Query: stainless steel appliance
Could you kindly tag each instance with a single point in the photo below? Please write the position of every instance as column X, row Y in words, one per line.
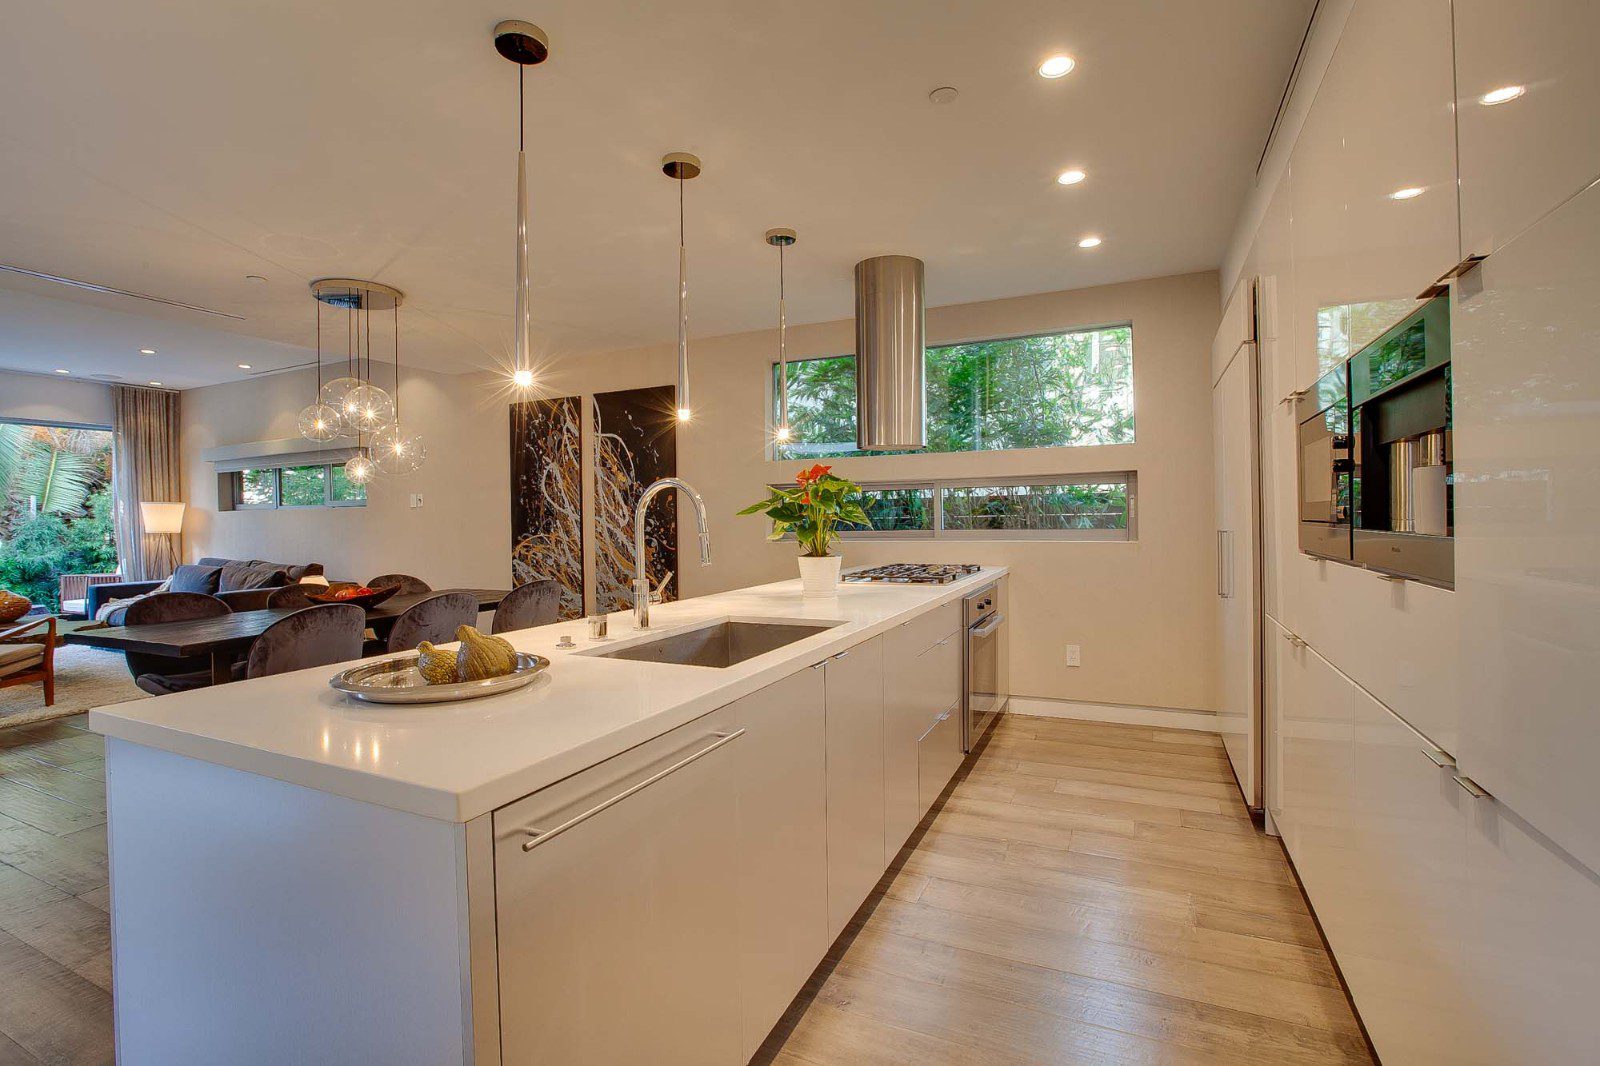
column 913, row 573
column 891, row 413
column 1323, row 412
column 1402, row 464
column 983, row 653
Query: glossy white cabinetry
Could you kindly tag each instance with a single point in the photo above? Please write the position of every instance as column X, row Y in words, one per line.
column 1527, row 411
column 1522, row 158
column 922, row 680
column 1233, row 422
column 938, row 756
column 854, row 684
column 783, row 847
column 618, row 938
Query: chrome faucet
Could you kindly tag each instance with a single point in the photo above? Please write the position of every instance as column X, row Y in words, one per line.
column 642, row 593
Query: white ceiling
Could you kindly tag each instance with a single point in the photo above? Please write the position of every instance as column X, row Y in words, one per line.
column 175, row 148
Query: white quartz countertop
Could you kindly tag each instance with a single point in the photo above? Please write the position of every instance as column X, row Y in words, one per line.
column 456, row 761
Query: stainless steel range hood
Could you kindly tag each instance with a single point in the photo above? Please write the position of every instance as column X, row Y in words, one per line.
column 889, row 352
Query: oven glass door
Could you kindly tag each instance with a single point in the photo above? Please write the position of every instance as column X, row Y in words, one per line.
column 1325, row 467
column 983, row 697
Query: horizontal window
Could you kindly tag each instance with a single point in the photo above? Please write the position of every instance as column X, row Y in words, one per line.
column 1068, row 507
column 264, row 488
column 1052, row 390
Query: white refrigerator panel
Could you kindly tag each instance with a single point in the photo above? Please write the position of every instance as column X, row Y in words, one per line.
column 1527, row 424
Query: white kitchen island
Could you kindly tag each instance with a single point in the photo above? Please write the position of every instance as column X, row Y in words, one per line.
column 626, row 861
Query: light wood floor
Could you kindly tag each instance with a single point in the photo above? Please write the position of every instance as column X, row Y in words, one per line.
column 1086, row 894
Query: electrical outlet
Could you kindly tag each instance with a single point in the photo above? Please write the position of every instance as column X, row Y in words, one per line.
column 1074, row 655
column 416, row 499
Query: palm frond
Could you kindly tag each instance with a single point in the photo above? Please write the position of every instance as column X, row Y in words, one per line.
column 59, row 480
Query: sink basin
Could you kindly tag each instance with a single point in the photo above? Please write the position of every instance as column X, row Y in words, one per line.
column 721, row 644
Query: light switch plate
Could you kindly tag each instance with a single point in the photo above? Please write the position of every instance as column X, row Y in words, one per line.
column 416, row 499
column 1074, row 655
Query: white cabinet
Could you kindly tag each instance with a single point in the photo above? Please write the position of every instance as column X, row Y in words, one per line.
column 783, row 847
column 855, row 853
column 922, row 680
column 938, row 757
column 616, row 895
column 1527, row 414
column 1523, row 156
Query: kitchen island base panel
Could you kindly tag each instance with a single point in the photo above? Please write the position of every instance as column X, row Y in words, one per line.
column 296, row 912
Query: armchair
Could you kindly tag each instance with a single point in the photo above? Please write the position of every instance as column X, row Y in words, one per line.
column 27, row 656
column 75, row 592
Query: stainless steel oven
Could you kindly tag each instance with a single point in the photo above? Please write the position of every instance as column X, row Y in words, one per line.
column 982, row 659
column 1323, row 412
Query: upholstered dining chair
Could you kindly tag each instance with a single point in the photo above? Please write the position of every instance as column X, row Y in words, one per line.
column 320, row 635
column 536, row 603
column 408, row 585
column 163, row 674
column 28, row 653
column 434, row 619
column 295, row 596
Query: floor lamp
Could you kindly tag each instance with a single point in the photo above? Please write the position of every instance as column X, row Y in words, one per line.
column 164, row 520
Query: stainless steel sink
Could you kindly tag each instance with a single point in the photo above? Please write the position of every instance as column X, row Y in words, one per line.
column 721, row 644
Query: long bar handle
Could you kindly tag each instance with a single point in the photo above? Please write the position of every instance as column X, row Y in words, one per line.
column 1472, row 788
column 543, row 837
column 1439, row 759
column 1225, row 563
column 984, row 630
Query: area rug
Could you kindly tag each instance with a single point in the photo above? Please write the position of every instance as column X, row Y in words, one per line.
column 85, row 678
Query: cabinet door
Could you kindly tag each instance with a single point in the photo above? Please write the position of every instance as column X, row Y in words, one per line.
column 1527, row 482
column 855, row 856
column 938, row 757
column 1233, row 407
column 618, row 940
column 783, row 847
column 1522, row 156
column 922, row 677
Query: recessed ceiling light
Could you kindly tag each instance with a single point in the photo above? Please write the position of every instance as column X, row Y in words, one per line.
column 944, row 94
column 1410, row 192
column 1070, row 177
column 1503, row 95
column 1089, row 242
column 147, row 351
column 1057, row 66
column 60, row 371
column 244, row 366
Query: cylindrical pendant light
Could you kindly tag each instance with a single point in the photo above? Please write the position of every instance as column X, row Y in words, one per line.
column 525, row 45
column 681, row 166
column 780, row 239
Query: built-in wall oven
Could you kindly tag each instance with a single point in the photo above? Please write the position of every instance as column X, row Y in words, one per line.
column 1323, row 412
column 984, row 654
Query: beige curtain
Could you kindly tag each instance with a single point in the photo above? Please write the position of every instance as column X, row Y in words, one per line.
column 146, row 465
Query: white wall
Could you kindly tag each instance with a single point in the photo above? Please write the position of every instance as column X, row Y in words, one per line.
column 1141, row 611
column 53, row 398
column 459, row 537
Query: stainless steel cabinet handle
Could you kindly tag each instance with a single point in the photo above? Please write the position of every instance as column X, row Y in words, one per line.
column 1293, row 397
column 1294, row 641
column 984, row 630
column 1225, row 563
column 541, row 836
column 1393, row 578
column 841, row 655
column 1472, row 788
column 1439, row 759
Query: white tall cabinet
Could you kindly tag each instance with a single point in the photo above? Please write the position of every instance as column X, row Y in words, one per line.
column 1429, row 753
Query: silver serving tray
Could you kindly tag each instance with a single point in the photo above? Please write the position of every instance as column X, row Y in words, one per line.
column 398, row 680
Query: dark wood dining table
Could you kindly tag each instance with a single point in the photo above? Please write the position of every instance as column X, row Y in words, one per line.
column 225, row 637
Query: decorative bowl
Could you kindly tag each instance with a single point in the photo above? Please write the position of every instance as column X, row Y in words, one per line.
column 398, row 680
column 12, row 606
column 366, row 600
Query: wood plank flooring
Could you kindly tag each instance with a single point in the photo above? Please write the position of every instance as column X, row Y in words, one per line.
column 1085, row 894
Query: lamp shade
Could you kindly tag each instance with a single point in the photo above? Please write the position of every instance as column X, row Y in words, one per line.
column 161, row 517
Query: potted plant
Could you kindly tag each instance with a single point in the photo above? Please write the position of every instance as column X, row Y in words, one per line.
column 812, row 511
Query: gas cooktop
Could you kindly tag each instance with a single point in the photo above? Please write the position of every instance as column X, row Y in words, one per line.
column 914, row 573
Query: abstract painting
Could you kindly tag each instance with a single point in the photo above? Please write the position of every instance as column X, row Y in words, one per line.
column 635, row 442
column 547, row 497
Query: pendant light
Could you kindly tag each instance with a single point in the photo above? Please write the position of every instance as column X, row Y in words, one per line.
column 319, row 421
column 681, row 166
column 366, row 411
column 525, row 45
column 780, row 239
column 394, row 449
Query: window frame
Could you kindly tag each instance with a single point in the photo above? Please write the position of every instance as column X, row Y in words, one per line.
column 1127, row 535
column 232, row 484
column 236, row 481
column 771, row 414
column 327, row 488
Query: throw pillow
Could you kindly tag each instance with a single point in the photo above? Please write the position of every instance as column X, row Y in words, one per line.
column 193, row 577
column 238, row 576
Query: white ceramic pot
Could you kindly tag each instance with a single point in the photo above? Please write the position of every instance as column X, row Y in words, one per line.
column 819, row 575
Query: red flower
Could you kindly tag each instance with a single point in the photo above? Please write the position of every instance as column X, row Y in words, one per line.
column 807, row 476
column 805, row 499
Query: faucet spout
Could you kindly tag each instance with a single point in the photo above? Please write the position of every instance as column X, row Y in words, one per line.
column 641, row 583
